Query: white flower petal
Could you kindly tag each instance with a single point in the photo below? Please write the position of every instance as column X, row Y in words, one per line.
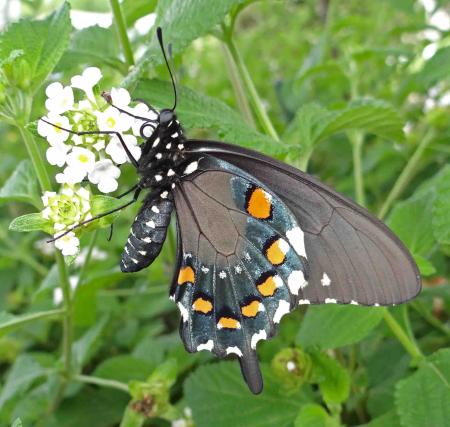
column 68, row 244
column 88, row 79
column 81, row 158
column 120, row 97
column 107, row 185
column 56, row 154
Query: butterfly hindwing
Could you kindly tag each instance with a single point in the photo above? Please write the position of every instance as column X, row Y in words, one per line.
column 242, row 265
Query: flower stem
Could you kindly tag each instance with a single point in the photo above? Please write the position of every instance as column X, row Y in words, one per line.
column 410, row 346
column 238, row 86
column 36, row 158
column 356, row 139
column 406, row 175
column 102, row 382
column 88, row 257
column 251, row 89
column 67, row 303
column 122, row 30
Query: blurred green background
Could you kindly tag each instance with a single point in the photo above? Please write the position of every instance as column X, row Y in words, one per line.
column 356, row 93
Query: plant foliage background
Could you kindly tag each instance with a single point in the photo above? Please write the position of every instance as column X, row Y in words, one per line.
column 357, row 93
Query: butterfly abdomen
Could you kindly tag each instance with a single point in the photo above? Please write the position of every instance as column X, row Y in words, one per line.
column 147, row 234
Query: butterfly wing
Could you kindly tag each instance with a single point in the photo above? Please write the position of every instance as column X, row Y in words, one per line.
column 352, row 256
column 241, row 265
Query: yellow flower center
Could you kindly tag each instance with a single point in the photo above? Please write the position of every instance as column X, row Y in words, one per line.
column 83, row 158
column 111, row 122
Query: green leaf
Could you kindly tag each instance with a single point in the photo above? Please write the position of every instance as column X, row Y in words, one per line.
column 31, row 222
column 425, row 266
column 333, row 379
column 135, row 9
column 85, row 347
column 124, row 368
column 93, row 46
column 423, row 399
column 332, row 326
column 17, row 423
column 314, row 123
column 199, row 111
column 217, row 393
column 91, row 407
column 10, row 322
column 182, row 22
column 42, row 44
column 313, row 415
column 436, row 68
column 27, row 369
column 22, row 186
column 389, row 419
column 441, row 210
column 102, row 204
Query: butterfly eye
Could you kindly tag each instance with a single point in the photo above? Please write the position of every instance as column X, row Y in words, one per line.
column 146, row 130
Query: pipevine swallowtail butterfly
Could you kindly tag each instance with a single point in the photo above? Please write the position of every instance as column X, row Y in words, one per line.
column 255, row 239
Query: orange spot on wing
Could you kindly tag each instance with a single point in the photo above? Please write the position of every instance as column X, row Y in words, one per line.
column 202, row 305
column 228, row 322
column 185, row 275
column 268, row 287
column 259, row 204
column 276, row 252
column 251, row 310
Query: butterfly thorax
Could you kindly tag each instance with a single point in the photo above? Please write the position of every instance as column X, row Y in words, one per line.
column 162, row 153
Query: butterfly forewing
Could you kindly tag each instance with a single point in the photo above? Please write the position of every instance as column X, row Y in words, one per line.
column 352, row 256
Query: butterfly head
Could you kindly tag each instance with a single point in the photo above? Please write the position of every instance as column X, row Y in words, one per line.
column 166, row 116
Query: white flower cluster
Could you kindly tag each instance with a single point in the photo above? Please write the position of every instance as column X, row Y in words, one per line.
column 94, row 156
column 64, row 209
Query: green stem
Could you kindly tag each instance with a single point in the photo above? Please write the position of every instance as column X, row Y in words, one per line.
column 356, row 140
column 67, row 303
column 88, row 257
column 406, row 175
column 36, row 158
column 428, row 317
column 122, row 30
column 251, row 89
column 238, row 86
column 29, row 318
column 87, row 379
column 410, row 346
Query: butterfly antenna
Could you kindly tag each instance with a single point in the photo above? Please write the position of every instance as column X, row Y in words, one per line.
column 160, row 39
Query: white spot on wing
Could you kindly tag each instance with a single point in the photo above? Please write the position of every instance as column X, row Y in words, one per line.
column 143, row 253
column 169, row 146
column 150, row 224
column 234, row 350
column 204, row 269
column 278, row 281
column 261, row 335
column 284, row 246
column 296, row 281
column 164, row 195
column 238, row 269
column 183, row 311
column 170, row 172
column 330, row 301
column 191, row 167
column 134, row 260
column 158, row 178
column 208, row 345
column 296, row 238
column 147, row 240
column 222, row 274
column 326, row 281
column 155, row 144
column 283, row 308
column 158, row 156
column 155, row 209
column 304, row 302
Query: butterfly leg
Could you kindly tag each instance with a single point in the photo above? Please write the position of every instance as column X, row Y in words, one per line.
column 94, row 218
column 100, row 132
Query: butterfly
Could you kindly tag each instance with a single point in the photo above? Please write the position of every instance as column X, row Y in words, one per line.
column 255, row 239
